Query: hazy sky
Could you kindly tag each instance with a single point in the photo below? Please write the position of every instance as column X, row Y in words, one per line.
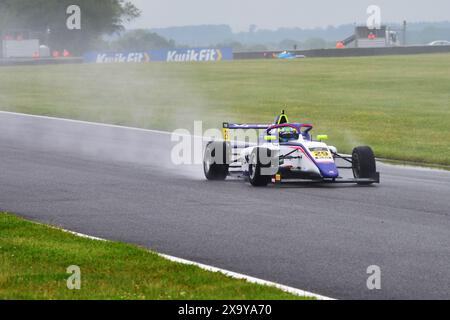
column 271, row 14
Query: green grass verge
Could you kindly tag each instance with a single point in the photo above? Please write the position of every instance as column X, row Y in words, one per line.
column 400, row 105
column 34, row 259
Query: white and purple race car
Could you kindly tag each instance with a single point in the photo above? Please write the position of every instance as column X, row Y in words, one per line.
column 285, row 151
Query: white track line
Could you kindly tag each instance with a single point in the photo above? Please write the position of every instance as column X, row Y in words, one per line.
column 85, row 122
column 231, row 274
column 235, row 275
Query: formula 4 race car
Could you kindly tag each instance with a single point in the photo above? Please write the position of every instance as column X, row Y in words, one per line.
column 285, row 151
column 285, row 55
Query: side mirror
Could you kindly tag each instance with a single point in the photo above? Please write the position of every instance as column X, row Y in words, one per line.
column 322, row 137
column 333, row 149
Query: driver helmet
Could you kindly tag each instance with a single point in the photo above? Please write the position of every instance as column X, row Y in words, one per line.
column 288, row 134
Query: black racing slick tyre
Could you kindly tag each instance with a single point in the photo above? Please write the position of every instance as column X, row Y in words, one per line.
column 364, row 164
column 216, row 161
column 255, row 168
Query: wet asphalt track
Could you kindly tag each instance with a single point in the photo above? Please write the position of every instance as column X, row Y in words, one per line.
column 119, row 184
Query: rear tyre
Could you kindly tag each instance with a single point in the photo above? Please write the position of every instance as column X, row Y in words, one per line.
column 216, row 169
column 364, row 164
column 256, row 177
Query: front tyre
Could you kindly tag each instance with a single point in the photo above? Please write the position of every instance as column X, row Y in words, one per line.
column 255, row 170
column 364, row 164
column 216, row 161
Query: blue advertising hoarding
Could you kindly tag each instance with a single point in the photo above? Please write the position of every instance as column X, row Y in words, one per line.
column 167, row 55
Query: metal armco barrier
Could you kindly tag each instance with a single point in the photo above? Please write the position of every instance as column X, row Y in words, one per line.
column 350, row 52
column 43, row 61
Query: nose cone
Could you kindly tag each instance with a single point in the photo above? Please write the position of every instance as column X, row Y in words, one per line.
column 328, row 170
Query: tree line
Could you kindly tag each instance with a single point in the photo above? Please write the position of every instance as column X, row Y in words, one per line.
column 47, row 20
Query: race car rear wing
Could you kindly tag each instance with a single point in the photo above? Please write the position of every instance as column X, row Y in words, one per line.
column 281, row 119
column 237, row 126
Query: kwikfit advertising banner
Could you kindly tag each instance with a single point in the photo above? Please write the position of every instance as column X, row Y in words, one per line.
column 167, row 55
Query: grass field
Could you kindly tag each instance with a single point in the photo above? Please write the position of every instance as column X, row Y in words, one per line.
column 34, row 259
column 400, row 105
